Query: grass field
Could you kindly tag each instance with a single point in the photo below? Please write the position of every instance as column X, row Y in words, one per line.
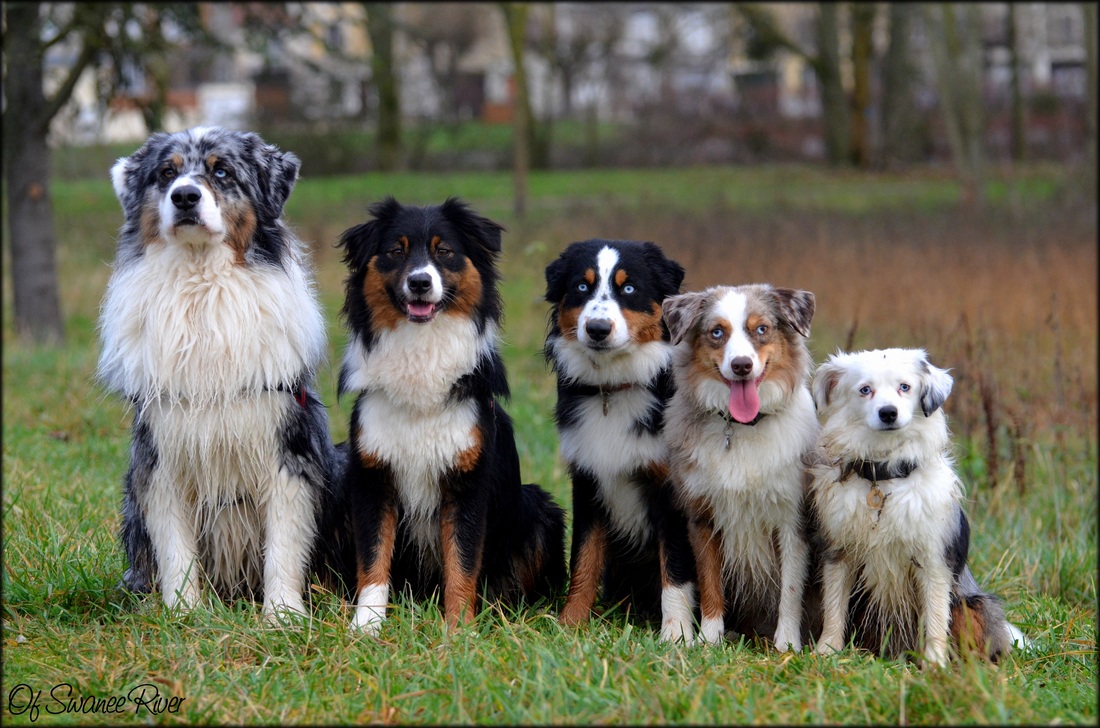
column 1006, row 298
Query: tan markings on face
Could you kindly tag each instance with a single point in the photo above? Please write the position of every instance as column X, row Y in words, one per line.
column 467, row 287
column 383, row 313
column 590, row 277
column 176, row 160
column 468, row 459
column 644, row 327
column 241, row 220
column 708, row 352
column 434, row 243
column 459, row 585
column 211, row 161
column 379, row 571
column 584, row 582
column 620, row 277
column 568, row 319
column 150, row 222
column 404, row 241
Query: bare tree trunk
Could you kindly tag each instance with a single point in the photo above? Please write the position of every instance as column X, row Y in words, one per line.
column 380, row 27
column 26, row 168
column 863, row 20
column 1019, row 142
column 899, row 127
column 1089, row 12
column 515, row 21
column 958, row 81
column 833, row 99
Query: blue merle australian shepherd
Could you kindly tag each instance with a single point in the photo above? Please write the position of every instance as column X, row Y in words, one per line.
column 433, row 475
column 610, row 349
column 211, row 329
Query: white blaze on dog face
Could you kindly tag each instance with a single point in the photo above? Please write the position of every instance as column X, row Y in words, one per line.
column 188, row 210
column 602, row 310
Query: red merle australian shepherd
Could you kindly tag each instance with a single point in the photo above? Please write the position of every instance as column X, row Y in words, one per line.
column 433, row 475
column 610, row 350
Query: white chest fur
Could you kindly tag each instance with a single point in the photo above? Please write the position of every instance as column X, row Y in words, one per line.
column 407, row 418
column 196, row 326
column 608, row 447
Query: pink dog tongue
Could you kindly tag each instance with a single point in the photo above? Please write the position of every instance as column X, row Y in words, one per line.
column 421, row 310
column 744, row 400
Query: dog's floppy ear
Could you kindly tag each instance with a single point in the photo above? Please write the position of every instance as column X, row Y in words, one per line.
column 824, row 381
column 796, row 308
column 285, row 167
column 361, row 241
column 682, row 312
column 935, row 387
column 555, row 279
column 670, row 274
column 476, row 228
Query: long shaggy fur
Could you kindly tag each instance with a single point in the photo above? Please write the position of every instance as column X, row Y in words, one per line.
column 433, row 475
column 887, row 503
column 737, row 428
column 211, row 329
column 610, row 350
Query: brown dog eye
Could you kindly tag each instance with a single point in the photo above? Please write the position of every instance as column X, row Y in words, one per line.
column 444, row 252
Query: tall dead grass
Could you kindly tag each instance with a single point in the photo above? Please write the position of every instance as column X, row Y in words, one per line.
column 1007, row 300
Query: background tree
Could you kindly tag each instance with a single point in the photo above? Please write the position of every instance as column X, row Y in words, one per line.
column 900, row 124
column 863, row 51
column 824, row 61
column 102, row 35
column 380, row 27
column 515, row 25
column 955, row 46
column 1089, row 12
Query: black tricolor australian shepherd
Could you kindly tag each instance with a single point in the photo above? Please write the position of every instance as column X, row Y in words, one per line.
column 433, row 475
column 211, row 328
column 610, row 349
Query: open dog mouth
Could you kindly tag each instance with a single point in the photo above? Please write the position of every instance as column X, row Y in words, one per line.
column 421, row 312
column 744, row 402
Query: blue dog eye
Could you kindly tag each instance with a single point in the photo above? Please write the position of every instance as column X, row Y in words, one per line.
column 582, row 287
column 628, row 289
column 718, row 333
column 220, row 173
column 865, row 390
column 904, row 387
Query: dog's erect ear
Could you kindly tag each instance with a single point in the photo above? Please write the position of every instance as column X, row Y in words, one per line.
column 682, row 312
column 935, row 387
column 796, row 308
column 670, row 274
column 555, row 279
column 824, row 381
column 361, row 241
column 478, row 229
column 124, row 174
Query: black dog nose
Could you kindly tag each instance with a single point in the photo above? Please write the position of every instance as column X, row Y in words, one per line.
column 741, row 366
column 419, row 283
column 186, row 197
column 888, row 414
column 598, row 329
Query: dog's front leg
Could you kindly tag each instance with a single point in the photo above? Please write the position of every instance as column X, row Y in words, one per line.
column 463, row 537
column 934, row 578
column 708, row 562
column 374, row 520
column 172, row 532
column 290, row 521
column 837, row 578
column 588, row 553
column 794, row 559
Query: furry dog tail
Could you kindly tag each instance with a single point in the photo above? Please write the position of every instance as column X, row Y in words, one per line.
column 978, row 621
column 525, row 557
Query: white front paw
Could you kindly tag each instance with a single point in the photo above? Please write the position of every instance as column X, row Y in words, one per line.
column 787, row 639
column 712, row 630
column 276, row 609
column 674, row 630
column 935, row 655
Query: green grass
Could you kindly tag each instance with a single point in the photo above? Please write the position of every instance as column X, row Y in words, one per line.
column 1033, row 543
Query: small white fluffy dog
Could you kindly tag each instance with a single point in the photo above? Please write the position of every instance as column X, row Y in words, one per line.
column 888, row 506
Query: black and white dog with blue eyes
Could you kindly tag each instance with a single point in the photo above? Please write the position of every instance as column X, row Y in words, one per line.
column 610, row 349
column 211, row 329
